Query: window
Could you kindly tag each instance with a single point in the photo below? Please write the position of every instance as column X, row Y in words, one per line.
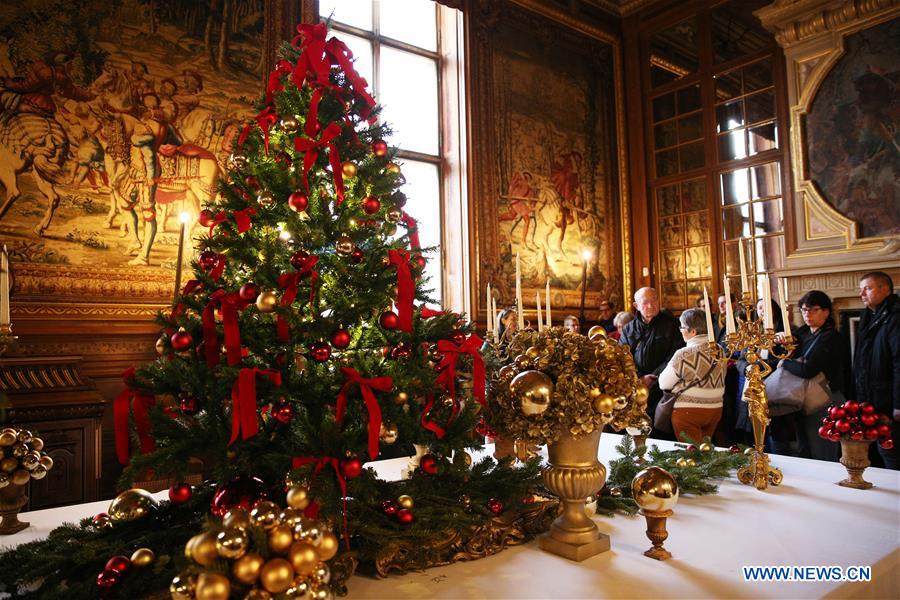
column 408, row 51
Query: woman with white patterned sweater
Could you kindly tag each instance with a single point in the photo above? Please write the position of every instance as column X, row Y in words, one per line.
column 697, row 379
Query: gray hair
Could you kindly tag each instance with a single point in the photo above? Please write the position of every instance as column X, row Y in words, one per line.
column 694, row 318
column 623, row 318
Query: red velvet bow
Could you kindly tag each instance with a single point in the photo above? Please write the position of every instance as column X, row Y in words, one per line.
column 383, row 384
column 244, row 421
column 341, row 54
column 311, row 42
column 427, row 313
column 282, row 67
column 429, row 424
column 179, row 308
column 451, row 353
column 245, row 133
column 221, row 217
column 230, row 305
column 321, row 463
column 405, row 288
column 289, row 282
column 242, row 219
column 413, row 229
column 311, row 149
column 265, row 120
column 140, row 403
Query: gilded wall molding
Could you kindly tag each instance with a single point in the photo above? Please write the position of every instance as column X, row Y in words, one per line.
column 794, row 21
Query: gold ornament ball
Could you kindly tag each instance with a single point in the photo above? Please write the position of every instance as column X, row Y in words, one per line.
column 506, row 373
column 246, row 569
column 321, row 593
column 265, row 514
column 299, row 588
column 522, row 362
column 38, row 472
column 232, row 543
column 681, row 462
column 304, row 557
column 202, row 549
column 31, row 460
column 276, row 575
column 7, row 438
column 393, row 215
column 132, row 504
column 389, row 433
column 24, row 436
column 641, row 394
column 4, row 480
column 238, row 160
column 258, row 594
column 212, row 586
column 596, row 330
column 322, row 573
column 37, row 444
column 20, row 477
column 265, row 198
column 300, row 362
column 46, row 462
column 328, row 546
column 401, row 398
column 349, row 169
column 237, row 517
column 655, row 489
column 182, row 587
column 291, row 517
column 749, row 451
column 298, row 497
column 706, row 447
column 289, row 124
column 161, row 346
column 310, row 531
column 405, row 501
column 280, row 539
column 344, row 246
column 19, row 450
column 690, row 462
column 604, row 403
column 393, row 168
column 620, row 402
column 8, row 465
column 267, row 301
column 534, row 389
column 142, row 557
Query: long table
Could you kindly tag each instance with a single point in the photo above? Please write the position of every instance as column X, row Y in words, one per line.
column 806, row 521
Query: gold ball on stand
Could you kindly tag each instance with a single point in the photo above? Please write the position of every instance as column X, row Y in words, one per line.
column 7, row 438
column 655, row 489
column 31, row 460
column 142, row 557
column 46, row 462
column 298, row 497
column 265, row 514
column 291, row 517
column 267, row 301
column 246, row 569
column 276, row 575
column 37, row 444
column 258, row 594
column 8, row 465
column 132, row 504
column 4, row 480
column 534, row 389
column 38, row 472
column 405, row 501
column 328, row 546
column 322, row 574
column 24, row 436
column 304, row 557
column 213, row 586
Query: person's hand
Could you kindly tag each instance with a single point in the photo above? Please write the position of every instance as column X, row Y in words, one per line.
column 897, row 414
column 648, row 380
column 780, row 337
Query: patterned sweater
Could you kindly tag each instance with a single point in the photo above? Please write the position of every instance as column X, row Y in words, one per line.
column 689, row 365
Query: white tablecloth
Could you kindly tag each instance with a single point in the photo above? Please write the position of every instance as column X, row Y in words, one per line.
column 808, row 520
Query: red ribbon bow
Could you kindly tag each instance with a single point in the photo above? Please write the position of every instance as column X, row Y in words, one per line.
column 413, row 229
column 311, row 42
column 242, row 219
column 265, row 119
column 221, row 217
column 383, row 384
column 341, row 54
column 244, row 421
column 311, row 149
column 130, row 398
column 321, row 463
column 427, row 313
column 230, row 305
column 405, row 288
column 451, row 353
column 282, row 67
column 289, row 282
column 429, row 424
column 179, row 308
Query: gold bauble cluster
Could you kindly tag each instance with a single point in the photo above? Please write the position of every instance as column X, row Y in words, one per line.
column 21, row 457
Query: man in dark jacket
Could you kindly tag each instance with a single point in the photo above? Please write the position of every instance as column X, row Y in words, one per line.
column 654, row 336
column 876, row 359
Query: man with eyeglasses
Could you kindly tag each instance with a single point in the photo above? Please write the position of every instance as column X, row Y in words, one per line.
column 876, row 359
column 607, row 316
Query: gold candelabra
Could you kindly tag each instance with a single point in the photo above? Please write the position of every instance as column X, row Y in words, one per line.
column 754, row 337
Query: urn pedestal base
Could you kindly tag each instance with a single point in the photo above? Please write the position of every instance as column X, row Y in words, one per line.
column 12, row 500
column 855, row 458
column 576, row 552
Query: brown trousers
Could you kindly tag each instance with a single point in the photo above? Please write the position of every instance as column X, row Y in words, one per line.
column 697, row 423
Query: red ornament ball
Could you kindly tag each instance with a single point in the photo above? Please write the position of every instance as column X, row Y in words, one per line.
column 842, row 425
column 884, row 431
column 379, row 148
column 340, row 339
column 108, row 579
column 351, row 468
column 181, row 341
column 691, row 448
column 207, row 260
column 251, row 181
column 866, row 408
column 241, row 491
column 735, row 449
column 871, row 434
column 824, row 433
column 188, row 406
column 357, row 255
column 886, row 443
column 482, row 428
column 100, row 518
column 298, row 201
column 399, row 199
column 429, row 464
column 405, row 516
column 298, row 259
column 389, row 320
column 389, row 507
column 851, row 406
column 837, row 412
column 857, row 435
column 320, row 352
column 401, row 351
column 249, row 291
column 371, row 205
column 420, row 261
column 834, row 436
column 495, row 506
column 118, row 563
column 868, row 420
column 283, row 412
column 207, row 218
column 457, row 337
column 179, row 493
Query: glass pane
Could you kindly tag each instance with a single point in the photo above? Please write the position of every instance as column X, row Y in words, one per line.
column 767, row 217
column 673, row 296
column 362, row 55
column 690, row 128
column 414, row 117
column 693, row 195
column 423, row 190
column 735, row 187
column 733, row 265
column 691, row 156
column 762, row 138
column 663, row 107
column 695, row 293
column 733, row 145
column 696, row 228
column 664, row 135
column 728, row 85
column 666, row 163
column 670, row 233
column 357, row 14
column 673, row 265
column 660, row 74
column 760, row 106
column 689, row 99
column 765, row 180
column 675, row 49
column 736, row 222
column 736, row 31
column 758, row 75
column 667, row 200
column 729, row 116
column 698, row 262
column 410, row 21
column 768, row 253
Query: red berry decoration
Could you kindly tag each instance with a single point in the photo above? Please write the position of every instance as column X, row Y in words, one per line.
column 824, row 432
column 389, row 507
column 298, row 259
column 108, row 579
column 179, row 493
column 188, row 406
column 389, row 320
column 119, row 564
column 351, row 468
column 283, row 413
column 857, row 435
column 340, row 339
column 241, row 491
column 357, row 255
column 457, row 337
column 401, row 351
column 886, row 443
column 405, row 516
column 866, row 408
column 320, row 352
column 495, row 506
column 207, row 217
column 851, row 406
column 429, row 464
column 371, row 205
column 298, row 201
column 181, row 340
column 207, row 260
column 249, row 291
column 379, row 148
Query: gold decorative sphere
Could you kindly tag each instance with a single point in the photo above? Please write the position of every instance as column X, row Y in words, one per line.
column 596, row 330
column 322, row 574
column 310, row 531
column 690, row 462
column 202, row 549
column 506, row 373
column 265, row 514
column 393, row 168
column 267, row 301
column 349, row 169
column 8, row 465
column 655, row 489
column 276, row 575
column 401, row 398
column 20, row 477
column 142, row 557
column 24, row 436
column 46, row 462
column 258, row 594
column 298, row 497
column 405, row 501
column 291, row 517
column 604, row 403
column 182, row 587
column 38, row 472
column 534, row 389
column 237, row 517
column 37, row 444
column 328, row 546
column 7, row 438
column 681, row 462
column 246, row 569
column 265, row 198
column 393, row 215
column 31, row 460
column 299, row 588
column 212, row 586
column 389, row 433
column 4, row 480
column 304, row 557
column 238, row 160
column 132, row 504
column 322, row 592
column 522, row 362
column 232, row 542
column 280, row 538
column 344, row 246
column 289, row 124
column 706, row 447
